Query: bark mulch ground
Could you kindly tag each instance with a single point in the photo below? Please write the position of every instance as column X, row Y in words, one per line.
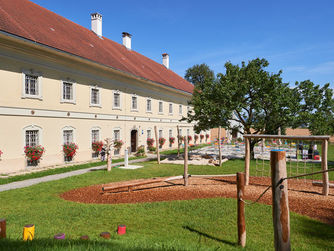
column 304, row 198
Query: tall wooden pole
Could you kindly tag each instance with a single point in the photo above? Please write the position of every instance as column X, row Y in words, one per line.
column 324, row 149
column 281, row 217
column 186, row 162
column 241, row 209
column 220, row 148
column 178, row 141
column 2, row 228
column 157, row 143
column 108, row 143
column 247, row 160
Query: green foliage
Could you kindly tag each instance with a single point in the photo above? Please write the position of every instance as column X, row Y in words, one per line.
column 140, row 151
column 316, row 108
column 199, row 75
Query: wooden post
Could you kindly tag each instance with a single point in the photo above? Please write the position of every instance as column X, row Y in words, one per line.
column 220, row 148
column 247, row 160
column 178, row 141
column 157, row 143
column 241, row 209
column 324, row 149
column 186, row 162
column 281, row 217
column 108, row 148
column 2, row 228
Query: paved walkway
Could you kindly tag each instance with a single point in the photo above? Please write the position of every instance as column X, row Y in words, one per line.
column 30, row 182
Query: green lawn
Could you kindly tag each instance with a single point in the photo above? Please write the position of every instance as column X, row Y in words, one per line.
column 205, row 224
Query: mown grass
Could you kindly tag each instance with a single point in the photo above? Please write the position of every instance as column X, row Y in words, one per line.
column 204, row 224
column 39, row 174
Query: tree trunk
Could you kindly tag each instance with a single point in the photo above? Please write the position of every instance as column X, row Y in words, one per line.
column 252, row 145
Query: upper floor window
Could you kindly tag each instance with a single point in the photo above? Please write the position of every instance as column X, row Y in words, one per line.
column 32, row 137
column 117, row 100
column 170, row 108
column 95, row 98
column 161, row 109
column 180, row 109
column 68, row 92
column 31, row 85
column 134, row 105
column 148, row 105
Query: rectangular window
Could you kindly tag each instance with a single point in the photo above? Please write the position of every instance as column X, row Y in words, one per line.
column 67, row 91
column 170, row 108
column 68, row 136
column 188, row 132
column 180, row 132
column 117, row 135
column 134, row 103
column 95, row 96
column 180, row 109
column 32, row 138
column 148, row 105
column 31, row 85
column 160, row 134
column 95, row 135
column 149, row 134
column 117, row 100
column 161, row 110
column 170, row 133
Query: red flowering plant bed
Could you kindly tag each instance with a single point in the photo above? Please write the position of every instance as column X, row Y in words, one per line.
column 161, row 142
column 97, row 146
column 150, row 142
column 171, row 140
column 118, row 144
column 70, row 149
column 189, row 138
column 33, row 153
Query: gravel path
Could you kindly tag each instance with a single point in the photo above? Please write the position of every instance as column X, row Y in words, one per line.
column 303, row 197
column 30, row 182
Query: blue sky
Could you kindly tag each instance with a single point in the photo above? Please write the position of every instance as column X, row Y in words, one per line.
column 295, row 36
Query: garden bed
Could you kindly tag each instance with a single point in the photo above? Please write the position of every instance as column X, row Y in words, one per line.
column 304, row 198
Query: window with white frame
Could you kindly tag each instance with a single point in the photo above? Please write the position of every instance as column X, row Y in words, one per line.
column 67, row 136
column 161, row 108
column 180, row 132
column 170, row 133
column 148, row 105
column 117, row 134
column 160, row 134
column 31, row 85
column 32, row 137
column 134, row 104
column 180, row 109
column 170, row 108
column 149, row 134
column 95, row 135
column 95, row 96
column 68, row 92
column 117, row 100
column 188, row 132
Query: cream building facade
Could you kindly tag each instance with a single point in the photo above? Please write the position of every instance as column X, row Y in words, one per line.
column 50, row 97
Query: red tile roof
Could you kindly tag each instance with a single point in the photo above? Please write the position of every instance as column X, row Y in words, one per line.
column 31, row 21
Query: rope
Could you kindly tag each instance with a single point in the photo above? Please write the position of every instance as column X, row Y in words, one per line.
column 251, row 203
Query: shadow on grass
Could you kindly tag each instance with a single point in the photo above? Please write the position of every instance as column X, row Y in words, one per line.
column 201, row 234
column 51, row 244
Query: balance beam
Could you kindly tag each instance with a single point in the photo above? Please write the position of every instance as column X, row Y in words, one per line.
column 320, row 184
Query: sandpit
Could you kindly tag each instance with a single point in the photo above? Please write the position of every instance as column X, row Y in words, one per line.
column 303, row 197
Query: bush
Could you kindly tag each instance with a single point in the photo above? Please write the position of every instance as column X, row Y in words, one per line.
column 150, row 142
column 151, row 148
column 70, row 149
column 171, row 140
column 189, row 138
column 33, row 153
column 97, row 146
column 161, row 141
column 140, row 151
column 118, row 144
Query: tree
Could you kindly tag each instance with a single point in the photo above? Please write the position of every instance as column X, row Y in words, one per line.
column 257, row 100
column 316, row 108
column 199, row 75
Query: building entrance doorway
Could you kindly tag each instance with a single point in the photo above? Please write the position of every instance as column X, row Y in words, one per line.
column 134, row 135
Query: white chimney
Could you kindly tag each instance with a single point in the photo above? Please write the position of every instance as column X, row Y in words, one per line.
column 127, row 40
column 165, row 60
column 97, row 23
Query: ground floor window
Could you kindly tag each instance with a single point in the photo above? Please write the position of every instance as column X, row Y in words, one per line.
column 117, row 136
column 32, row 139
column 67, row 139
column 95, row 138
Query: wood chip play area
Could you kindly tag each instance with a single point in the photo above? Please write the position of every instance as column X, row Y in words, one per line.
column 303, row 197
